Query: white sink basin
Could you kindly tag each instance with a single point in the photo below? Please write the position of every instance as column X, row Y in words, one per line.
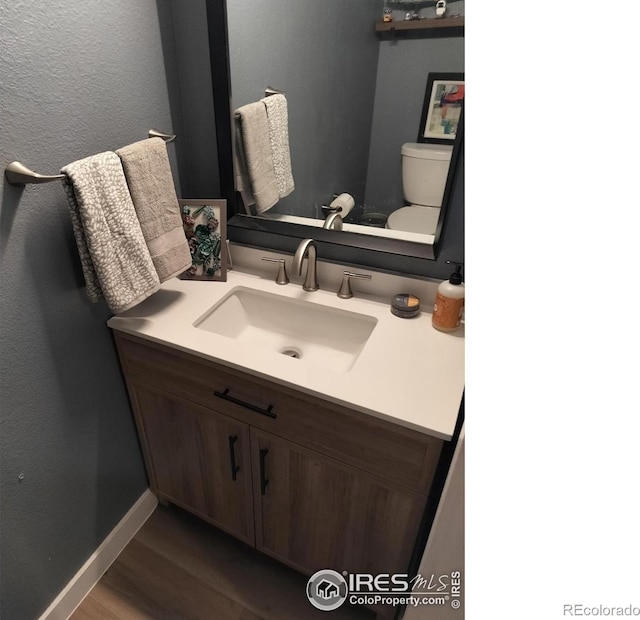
column 304, row 331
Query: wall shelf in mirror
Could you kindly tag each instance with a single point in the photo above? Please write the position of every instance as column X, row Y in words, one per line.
column 421, row 24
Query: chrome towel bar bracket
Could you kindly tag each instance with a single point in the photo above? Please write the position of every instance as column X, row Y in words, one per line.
column 19, row 174
column 167, row 137
column 269, row 90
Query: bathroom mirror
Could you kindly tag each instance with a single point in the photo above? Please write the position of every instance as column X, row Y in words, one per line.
column 328, row 60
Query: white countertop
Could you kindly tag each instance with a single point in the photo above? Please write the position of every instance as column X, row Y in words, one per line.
column 407, row 373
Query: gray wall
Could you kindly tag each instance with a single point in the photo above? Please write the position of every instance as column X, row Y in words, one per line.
column 79, row 78
column 324, row 56
column 404, row 65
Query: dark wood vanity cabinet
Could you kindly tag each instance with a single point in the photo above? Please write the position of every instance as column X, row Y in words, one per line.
column 313, row 484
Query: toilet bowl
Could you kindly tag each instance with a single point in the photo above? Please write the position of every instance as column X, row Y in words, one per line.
column 415, row 218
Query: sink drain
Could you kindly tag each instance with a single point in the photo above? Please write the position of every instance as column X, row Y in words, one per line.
column 292, row 352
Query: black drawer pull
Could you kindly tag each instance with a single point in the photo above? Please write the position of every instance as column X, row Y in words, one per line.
column 232, row 453
column 264, row 481
column 225, row 395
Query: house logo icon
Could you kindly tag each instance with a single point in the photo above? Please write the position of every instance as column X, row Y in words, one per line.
column 327, row 590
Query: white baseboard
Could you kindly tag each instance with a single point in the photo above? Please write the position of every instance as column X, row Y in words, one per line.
column 83, row 581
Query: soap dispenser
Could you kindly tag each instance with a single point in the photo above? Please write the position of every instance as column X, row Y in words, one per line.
column 447, row 311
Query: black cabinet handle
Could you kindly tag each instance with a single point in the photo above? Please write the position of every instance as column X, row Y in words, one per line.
column 225, row 395
column 263, row 467
column 232, row 454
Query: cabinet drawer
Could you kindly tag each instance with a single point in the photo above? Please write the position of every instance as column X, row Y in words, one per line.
column 387, row 450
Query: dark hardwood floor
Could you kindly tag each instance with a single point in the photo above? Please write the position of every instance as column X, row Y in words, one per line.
column 178, row 567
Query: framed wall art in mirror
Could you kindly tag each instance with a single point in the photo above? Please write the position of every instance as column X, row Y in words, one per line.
column 442, row 109
column 205, row 227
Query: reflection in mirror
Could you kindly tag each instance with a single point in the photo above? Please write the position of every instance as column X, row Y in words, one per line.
column 354, row 98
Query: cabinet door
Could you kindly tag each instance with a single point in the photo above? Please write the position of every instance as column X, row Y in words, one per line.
column 313, row 512
column 197, row 459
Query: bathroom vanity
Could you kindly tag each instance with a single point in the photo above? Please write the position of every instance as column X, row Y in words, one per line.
column 324, row 460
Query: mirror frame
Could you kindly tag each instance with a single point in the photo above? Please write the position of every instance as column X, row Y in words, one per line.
column 382, row 253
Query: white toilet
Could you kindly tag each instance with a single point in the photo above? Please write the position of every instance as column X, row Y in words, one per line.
column 424, row 176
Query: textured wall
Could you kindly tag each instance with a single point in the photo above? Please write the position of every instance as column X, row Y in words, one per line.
column 77, row 78
column 324, row 56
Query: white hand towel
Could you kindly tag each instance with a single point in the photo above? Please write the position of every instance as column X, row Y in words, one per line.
column 256, row 147
column 115, row 259
column 278, row 120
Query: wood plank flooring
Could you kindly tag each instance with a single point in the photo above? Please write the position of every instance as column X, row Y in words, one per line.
column 178, row 567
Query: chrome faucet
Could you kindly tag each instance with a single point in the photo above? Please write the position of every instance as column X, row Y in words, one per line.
column 308, row 248
column 334, row 220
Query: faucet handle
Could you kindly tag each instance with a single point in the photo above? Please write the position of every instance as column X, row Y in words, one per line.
column 282, row 277
column 345, row 287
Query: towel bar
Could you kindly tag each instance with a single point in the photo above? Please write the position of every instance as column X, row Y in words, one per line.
column 18, row 174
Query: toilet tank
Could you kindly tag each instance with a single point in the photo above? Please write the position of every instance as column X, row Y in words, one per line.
column 424, row 172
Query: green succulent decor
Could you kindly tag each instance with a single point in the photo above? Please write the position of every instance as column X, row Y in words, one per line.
column 204, row 240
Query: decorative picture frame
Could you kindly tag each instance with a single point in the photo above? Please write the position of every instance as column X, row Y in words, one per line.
column 205, row 227
column 442, row 108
